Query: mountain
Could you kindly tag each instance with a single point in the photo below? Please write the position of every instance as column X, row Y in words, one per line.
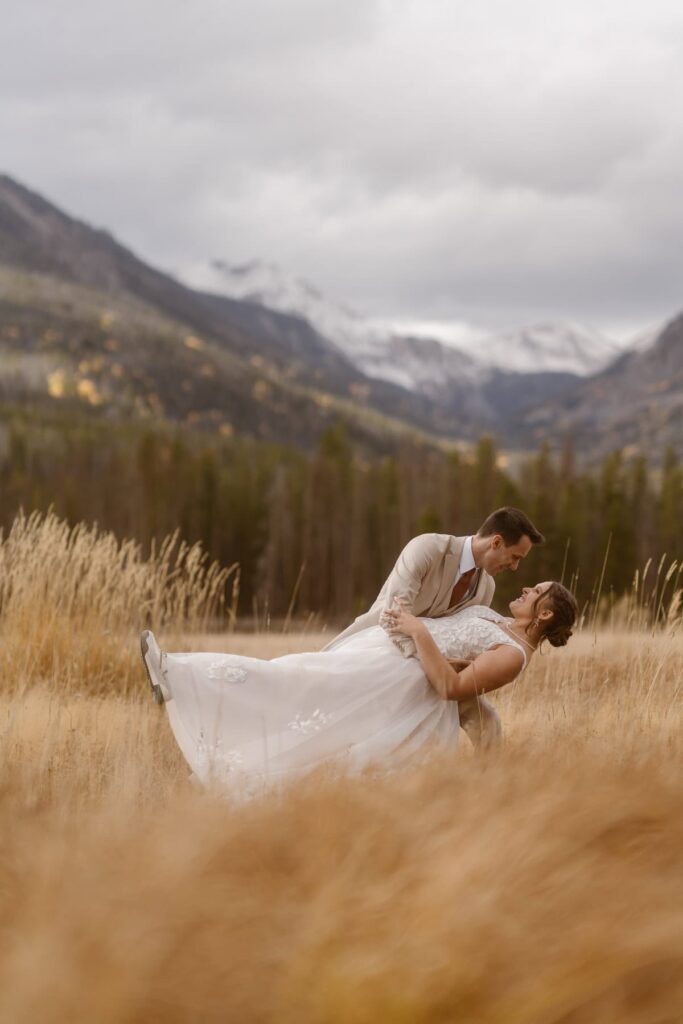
column 548, row 348
column 419, row 363
column 635, row 404
column 86, row 325
column 85, row 321
column 544, row 382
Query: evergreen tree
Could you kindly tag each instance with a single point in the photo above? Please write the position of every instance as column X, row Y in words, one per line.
column 670, row 507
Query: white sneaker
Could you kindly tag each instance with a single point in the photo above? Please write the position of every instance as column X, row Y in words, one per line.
column 152, row 657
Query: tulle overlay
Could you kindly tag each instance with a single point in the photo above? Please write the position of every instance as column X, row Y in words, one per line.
column 249, row 724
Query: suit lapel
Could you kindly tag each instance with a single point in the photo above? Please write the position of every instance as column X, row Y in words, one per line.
column 451, row 564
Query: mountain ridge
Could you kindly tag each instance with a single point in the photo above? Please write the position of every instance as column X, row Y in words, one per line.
column 373, row 346
column 46, row 244
column 612, row 397
column 83, row 319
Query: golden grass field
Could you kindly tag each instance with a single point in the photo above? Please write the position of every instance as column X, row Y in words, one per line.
column 541, row 884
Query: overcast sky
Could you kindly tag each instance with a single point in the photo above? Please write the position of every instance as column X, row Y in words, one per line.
column 493, row 163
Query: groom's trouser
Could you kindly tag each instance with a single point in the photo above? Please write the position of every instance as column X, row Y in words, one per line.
column 481, row 722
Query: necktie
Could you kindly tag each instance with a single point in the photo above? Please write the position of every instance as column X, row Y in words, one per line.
column 461, row 587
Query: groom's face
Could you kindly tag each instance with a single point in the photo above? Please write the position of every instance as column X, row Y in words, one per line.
column 501, row 556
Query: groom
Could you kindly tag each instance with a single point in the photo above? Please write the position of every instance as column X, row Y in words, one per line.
column 437, row 574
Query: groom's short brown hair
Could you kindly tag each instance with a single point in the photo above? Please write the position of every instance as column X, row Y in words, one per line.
column 512, row 524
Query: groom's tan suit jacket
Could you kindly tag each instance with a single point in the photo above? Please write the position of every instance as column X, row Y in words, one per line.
column 424, row 576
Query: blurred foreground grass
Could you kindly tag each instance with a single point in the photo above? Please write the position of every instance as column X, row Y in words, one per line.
column 540, row 885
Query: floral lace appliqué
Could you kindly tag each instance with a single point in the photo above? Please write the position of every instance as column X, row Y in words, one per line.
column 307, row 725
column 227, row 671
column 215, row 759
column 469, row 633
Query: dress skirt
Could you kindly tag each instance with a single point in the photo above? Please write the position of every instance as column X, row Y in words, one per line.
column 247, row 723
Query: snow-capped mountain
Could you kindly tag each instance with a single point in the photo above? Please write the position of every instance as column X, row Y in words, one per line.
column 544, row 348
column 419, row 362
column 268, row 285
column 416, row 363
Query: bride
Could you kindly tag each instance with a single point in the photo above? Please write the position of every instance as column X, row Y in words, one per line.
column 248, row 723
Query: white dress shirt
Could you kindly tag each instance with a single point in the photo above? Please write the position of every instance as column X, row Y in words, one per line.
column 466, row 559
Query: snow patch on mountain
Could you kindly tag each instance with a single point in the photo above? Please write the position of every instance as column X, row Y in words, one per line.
column 567, row 348
column 267, row 285
column 646, row 338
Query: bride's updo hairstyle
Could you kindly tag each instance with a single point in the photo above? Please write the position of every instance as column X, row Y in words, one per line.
column 562, row 604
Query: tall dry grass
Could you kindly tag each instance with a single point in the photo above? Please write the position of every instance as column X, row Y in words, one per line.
column 538, row 886
column 73, row 601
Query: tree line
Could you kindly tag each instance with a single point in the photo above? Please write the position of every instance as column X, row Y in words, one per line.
column 319, row 533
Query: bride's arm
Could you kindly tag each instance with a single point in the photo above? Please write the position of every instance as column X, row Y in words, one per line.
column 489, row 671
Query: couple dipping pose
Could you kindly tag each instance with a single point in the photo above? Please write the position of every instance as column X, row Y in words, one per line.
column 404, row 677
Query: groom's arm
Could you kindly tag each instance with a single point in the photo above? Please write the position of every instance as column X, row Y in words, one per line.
column 405, row 582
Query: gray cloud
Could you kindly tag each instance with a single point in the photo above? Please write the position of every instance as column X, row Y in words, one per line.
column 493, row 163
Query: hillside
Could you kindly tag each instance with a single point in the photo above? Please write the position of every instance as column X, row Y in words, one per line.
column 82, row 319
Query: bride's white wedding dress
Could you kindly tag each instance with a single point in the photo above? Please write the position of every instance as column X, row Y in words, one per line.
column 248, row 723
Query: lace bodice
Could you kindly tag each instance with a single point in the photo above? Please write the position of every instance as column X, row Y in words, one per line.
column 471, row 632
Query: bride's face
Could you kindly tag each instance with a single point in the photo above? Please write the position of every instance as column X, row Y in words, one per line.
column 522, row 607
